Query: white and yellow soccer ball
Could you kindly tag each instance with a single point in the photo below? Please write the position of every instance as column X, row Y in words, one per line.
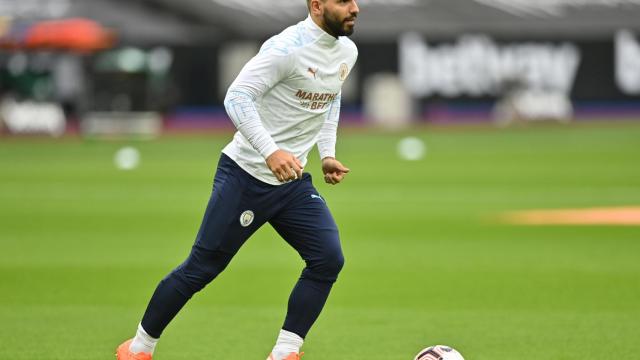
column 439, row 352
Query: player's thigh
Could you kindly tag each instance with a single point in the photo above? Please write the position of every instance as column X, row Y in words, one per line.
column 306, row 223
column 228, row 221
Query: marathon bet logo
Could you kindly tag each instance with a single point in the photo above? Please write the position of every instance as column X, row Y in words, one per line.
column 314, row 100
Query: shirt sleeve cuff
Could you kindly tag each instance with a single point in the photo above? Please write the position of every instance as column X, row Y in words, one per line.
column 327, row 153
column 269, row 149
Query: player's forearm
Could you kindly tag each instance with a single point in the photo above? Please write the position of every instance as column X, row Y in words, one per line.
column 241, row 109
column 328, row 132
column 327, row 145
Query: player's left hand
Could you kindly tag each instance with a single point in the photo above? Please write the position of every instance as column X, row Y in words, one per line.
column 333, row 170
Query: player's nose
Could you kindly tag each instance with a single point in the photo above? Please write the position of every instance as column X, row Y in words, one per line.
column 354, row 8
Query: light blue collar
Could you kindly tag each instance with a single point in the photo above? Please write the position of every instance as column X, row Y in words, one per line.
column 318, row 33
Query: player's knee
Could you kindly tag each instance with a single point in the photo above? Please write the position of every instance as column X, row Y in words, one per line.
column 202, row 266
column 331, row 265
column 336, row 263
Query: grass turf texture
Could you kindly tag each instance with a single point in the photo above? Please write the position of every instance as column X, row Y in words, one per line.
column 83, row 245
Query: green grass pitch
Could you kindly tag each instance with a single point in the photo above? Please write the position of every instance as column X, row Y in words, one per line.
column 83, row 245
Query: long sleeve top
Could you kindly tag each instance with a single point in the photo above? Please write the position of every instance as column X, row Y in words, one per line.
column 288, row 97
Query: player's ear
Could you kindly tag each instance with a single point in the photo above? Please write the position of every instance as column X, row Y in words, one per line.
column 316, row 7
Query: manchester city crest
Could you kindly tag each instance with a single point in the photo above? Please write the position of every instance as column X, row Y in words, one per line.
column 344, row 71
column 246, row 218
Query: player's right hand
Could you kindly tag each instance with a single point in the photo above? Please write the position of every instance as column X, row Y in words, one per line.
column 285, row 166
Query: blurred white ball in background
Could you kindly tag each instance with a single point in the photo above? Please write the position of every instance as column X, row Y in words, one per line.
column 411, row 149
column 127, row 158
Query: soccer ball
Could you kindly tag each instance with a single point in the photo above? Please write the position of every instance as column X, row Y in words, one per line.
column 439, row 352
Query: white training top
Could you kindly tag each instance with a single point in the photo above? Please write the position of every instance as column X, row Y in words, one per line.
column 288, row 97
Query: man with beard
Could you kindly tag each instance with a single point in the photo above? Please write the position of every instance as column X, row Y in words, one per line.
column 284, row 101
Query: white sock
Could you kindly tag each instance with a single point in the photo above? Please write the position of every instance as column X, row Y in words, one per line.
column 286, row 344
column 143, row 342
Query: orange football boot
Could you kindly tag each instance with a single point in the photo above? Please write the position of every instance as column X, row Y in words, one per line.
column 292, row 356
column 123, row 353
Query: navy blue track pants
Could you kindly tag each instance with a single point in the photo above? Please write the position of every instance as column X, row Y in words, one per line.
column 238, row 206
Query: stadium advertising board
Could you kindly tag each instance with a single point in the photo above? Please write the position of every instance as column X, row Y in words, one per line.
column 477, row 66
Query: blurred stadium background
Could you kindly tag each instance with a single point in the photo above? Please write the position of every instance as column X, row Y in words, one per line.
column 494, row 202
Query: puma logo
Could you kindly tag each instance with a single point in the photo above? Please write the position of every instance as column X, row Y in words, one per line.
column 310, row 70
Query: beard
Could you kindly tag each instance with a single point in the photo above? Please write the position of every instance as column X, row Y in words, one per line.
column 336, row 26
